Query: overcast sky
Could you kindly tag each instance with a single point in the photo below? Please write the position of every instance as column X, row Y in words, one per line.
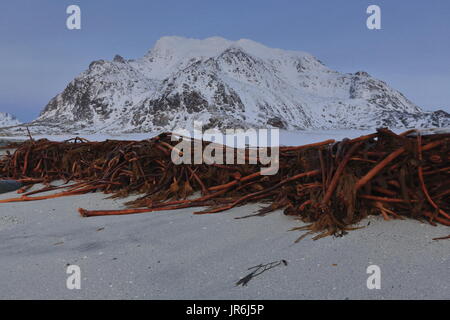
column 39, row 55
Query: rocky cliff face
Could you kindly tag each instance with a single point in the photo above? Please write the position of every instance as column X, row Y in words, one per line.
column 225, row 84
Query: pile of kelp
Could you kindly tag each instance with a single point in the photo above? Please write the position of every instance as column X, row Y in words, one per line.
column 330, row 185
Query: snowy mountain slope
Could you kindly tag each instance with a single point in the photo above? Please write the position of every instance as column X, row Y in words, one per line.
column 8, row 120
column 225, row 84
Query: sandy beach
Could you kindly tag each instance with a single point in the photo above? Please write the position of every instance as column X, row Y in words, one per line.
column 178, row 255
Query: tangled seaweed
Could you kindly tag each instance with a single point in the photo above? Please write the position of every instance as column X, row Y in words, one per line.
column 330, row 185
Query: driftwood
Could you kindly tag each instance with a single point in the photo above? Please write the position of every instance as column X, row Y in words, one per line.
column 331, row 185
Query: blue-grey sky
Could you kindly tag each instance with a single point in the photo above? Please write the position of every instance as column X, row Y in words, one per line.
column 39, row 55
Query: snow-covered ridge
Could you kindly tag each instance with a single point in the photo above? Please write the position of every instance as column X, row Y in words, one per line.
column 8, row 120
column 225, row 84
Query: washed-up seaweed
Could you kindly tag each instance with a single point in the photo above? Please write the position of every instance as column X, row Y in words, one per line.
column 259, row 269
column 329, row 185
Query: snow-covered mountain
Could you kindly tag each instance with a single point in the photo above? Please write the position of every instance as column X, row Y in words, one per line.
column 225, row 84
column 8, row 120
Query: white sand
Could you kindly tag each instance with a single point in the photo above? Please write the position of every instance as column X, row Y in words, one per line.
column 176, row 255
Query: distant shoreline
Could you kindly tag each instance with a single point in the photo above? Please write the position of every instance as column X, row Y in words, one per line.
column 4, row 142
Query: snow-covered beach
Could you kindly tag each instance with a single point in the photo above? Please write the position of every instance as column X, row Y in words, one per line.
column 178, row 255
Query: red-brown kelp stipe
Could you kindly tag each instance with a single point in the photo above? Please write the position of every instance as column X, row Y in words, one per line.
column 331, row 185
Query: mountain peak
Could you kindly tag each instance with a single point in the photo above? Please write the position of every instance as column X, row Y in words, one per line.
column 118, row 58
column 8, row 120
column 226, row 84
column 179, row 45
column 214, row 46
